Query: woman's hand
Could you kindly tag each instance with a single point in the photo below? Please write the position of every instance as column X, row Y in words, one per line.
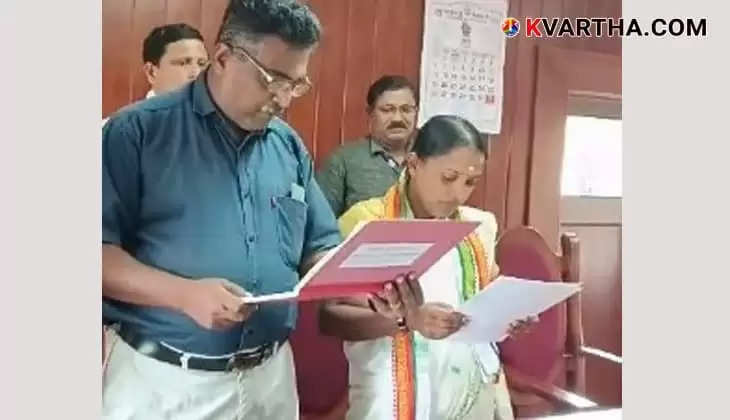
column 398, row 298
column 403, row 299
column 522, row 326
column 436, row 320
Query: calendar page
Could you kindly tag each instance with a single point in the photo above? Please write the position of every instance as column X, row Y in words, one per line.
column 462, row 61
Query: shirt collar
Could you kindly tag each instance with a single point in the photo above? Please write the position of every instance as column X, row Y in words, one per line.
column 376, row 148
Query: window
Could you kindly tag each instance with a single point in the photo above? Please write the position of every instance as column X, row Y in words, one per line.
column 592, row 157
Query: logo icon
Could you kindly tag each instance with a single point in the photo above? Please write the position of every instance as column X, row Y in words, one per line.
column 511, row 27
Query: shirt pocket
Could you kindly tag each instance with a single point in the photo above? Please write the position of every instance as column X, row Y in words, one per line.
column 291, row 222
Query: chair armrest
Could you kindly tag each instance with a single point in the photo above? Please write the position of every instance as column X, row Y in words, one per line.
column 527, row 383
column 590, row 351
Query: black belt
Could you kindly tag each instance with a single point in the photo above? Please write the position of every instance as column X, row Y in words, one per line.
column 242, row 360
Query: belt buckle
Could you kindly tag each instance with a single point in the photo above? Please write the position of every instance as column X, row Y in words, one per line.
column 250, row 359
column 243, row 362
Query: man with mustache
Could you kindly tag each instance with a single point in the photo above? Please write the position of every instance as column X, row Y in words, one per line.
column 207, row 196
column 365, row 168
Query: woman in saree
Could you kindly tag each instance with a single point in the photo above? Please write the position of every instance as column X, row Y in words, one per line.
column 400, row 366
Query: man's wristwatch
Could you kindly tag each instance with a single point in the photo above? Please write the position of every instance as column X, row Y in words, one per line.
column 402, row 324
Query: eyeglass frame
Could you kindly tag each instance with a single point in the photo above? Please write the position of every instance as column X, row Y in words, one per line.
column 269, row 79
column 405, row 109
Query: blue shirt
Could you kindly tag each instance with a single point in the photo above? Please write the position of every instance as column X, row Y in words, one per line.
column 184, row 193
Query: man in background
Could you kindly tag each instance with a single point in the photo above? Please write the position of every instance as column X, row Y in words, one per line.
column 365, row 168
column 172, row 56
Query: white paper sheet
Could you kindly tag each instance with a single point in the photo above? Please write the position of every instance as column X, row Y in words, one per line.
column 506, row 300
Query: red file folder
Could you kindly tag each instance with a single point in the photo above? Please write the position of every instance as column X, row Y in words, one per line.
column 374, row 254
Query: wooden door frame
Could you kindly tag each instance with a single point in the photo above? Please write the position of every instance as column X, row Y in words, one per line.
column 561, row 73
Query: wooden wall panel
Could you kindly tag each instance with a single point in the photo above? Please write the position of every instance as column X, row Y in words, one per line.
column 304, row 112
column 188, row 11
column 412, row 36
column 210, row 20
column 388, row 39
column 145, row 17
column 331, row 78
column 116, row 37
column 358, row 68
column 518, row 149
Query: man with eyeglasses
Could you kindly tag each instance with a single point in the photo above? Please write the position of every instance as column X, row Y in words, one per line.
column 209, row 196
column 365, row 168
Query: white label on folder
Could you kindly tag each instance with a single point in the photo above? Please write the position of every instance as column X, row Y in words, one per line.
column 385, row 255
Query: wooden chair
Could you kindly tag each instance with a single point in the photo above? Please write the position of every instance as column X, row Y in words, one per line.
column 321, row 367
column 546, row 367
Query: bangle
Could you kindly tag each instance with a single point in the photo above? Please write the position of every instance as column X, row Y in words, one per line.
column 402, row 324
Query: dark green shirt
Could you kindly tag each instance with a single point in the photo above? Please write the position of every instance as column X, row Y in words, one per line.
column 359, row 170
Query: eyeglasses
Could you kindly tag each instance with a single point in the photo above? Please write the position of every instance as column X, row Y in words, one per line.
column 404, row 109
column 276, row 84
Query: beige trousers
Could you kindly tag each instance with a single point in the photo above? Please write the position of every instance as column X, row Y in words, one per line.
column 136, row 386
